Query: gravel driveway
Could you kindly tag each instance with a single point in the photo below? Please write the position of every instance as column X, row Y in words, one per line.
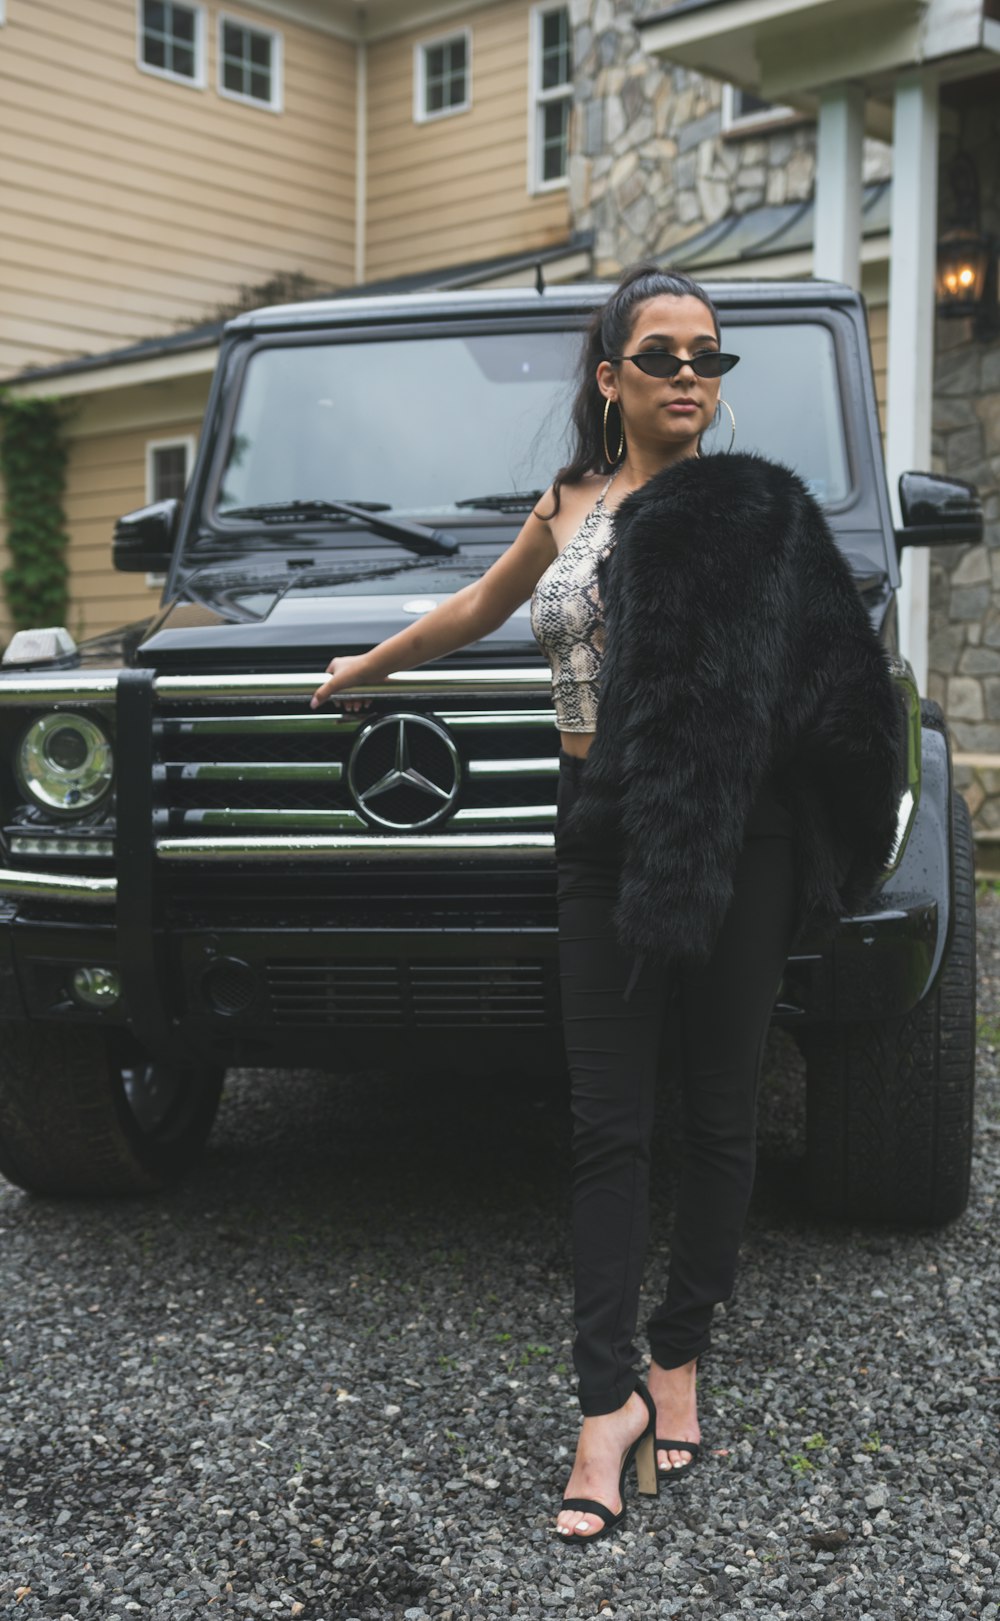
column 330, row 1377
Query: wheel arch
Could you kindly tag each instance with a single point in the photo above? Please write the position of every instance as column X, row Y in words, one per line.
column 927, row 867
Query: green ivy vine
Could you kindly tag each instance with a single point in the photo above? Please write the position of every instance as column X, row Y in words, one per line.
column 33, row 456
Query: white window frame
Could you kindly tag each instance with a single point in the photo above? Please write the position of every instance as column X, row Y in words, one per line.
column 420, row 113
column 537, row 97
column 277, row 101
column 200, row 80
column 186, row 442
column 734, row 123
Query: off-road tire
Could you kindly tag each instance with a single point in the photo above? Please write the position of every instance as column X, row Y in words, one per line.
column 889, row 1105
column 82, row 1111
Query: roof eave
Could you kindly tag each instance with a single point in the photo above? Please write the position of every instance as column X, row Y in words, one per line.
column 789, row 50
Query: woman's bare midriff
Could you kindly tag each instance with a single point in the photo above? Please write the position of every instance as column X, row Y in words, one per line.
column 577, row 743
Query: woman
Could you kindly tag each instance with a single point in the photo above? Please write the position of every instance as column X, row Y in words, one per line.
column 743, row 783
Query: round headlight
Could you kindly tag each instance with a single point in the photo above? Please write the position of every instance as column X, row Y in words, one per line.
column 65, row 762
column 96, row 987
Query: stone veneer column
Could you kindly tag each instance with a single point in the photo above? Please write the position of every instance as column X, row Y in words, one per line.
column 964, row 646
column 649, row 165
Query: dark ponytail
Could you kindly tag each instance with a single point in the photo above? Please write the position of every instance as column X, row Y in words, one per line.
column 606, row 335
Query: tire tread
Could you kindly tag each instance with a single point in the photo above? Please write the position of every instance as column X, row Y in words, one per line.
column 890, row 1103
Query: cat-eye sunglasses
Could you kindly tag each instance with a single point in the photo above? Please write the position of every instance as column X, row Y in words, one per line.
column 660, row 363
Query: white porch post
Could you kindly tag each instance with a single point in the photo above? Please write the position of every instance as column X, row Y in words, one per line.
column 837, row 239
column 911, row 332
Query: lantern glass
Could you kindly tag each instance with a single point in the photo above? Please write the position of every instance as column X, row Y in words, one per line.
column 963, row 261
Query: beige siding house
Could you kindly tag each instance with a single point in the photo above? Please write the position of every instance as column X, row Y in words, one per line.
column 458, row 185
column 164, row 162
column 135, row 198
column 125, row 451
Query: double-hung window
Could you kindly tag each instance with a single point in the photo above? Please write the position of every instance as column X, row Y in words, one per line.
column 249, row 63
column 442, row 75
column 168, row 463
column 171, row 40
column 551, row 96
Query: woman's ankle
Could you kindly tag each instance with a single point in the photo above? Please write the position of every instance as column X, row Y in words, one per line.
column 632, row 1407
column 606, row 1403
column 689, row 1368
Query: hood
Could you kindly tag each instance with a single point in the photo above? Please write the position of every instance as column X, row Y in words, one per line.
column 302, row 617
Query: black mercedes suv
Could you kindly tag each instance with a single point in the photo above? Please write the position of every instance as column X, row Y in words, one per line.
column 198, row 871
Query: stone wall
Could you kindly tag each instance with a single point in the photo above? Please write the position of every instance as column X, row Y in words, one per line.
column 649, row 163
column 964, row 650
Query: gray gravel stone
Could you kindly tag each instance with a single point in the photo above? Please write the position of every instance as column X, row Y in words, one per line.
column 330, row 1377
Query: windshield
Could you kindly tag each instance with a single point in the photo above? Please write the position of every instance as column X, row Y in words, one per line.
column 415, row 422
column 425, row 423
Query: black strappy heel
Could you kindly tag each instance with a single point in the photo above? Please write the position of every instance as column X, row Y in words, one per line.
column 644, row 1453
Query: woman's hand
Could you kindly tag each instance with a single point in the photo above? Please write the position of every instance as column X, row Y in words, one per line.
column 344, row 672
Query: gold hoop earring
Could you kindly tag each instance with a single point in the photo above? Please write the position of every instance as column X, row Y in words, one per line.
column 611, row 460
column 732, row 420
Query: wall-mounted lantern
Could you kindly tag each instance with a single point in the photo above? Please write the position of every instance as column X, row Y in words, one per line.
column 963, row 272
column 966, row 283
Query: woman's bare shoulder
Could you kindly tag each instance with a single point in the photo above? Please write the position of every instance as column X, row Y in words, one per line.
column 575, row 501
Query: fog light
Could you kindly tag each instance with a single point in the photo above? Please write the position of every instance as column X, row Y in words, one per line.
column 229, row 986
column 96, row 987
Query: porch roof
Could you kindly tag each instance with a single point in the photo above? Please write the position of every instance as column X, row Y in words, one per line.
column 773, row 229
column 788, row 50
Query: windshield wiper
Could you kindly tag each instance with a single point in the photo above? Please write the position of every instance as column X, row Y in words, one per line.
column 513, row 501
column 412, row 535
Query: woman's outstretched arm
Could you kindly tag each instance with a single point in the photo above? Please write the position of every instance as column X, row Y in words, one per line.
column 465, row 617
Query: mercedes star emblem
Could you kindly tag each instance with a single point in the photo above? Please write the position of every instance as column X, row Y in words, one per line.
column 404, row 771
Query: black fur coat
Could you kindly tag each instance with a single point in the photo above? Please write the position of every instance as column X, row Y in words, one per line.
column 737, row 647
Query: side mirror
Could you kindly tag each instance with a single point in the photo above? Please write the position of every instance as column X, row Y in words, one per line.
column 938, row 511
column 144, row 539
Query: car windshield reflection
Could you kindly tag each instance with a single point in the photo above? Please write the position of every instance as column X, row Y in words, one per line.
column 424, row 424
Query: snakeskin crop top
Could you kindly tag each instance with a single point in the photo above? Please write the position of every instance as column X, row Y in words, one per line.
column 567, row 621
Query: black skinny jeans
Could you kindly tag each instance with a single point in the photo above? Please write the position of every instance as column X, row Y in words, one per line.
column 612, row 1049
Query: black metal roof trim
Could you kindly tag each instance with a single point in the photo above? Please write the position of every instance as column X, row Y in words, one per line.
column 169, row 343
column 472, row 270
column 772, row 228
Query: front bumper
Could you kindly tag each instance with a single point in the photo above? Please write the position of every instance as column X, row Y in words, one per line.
column 263, row 961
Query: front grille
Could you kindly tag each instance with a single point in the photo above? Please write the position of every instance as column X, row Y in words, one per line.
column 246, row 778
column 265, row 771
column 421, row 995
